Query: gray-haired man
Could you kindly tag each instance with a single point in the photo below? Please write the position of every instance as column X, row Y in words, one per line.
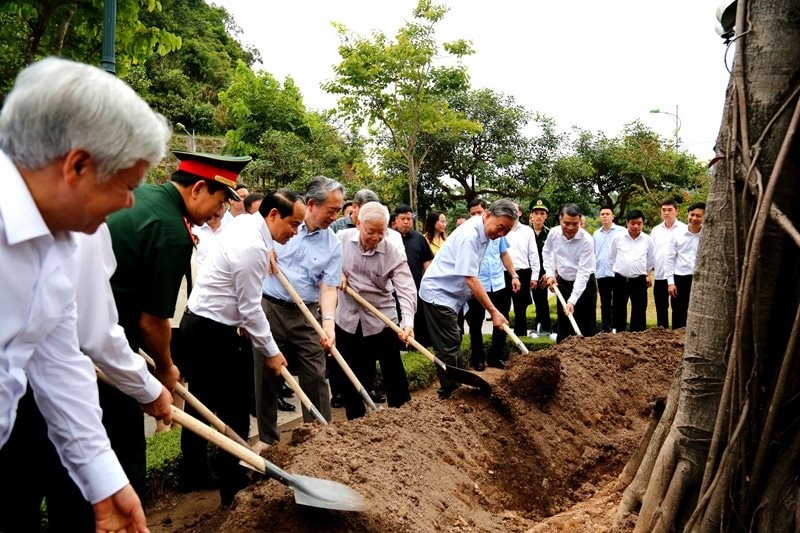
column 453, row 277
column 361, row 197
column 312, row 262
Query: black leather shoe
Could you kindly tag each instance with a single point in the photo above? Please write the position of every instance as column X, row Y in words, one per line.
column 337, row 400
column 498, row 364
column 479, row 366
column 286, row 392
column 377, row 397
column 283, row 405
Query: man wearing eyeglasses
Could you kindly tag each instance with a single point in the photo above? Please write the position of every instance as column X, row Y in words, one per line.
column 569, row 264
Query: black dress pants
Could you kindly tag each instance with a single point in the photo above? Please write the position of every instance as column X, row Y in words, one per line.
column 635, row 289
column 217, row 370
column 361, row 352
column 542, row 305
column 585, row 314
column 476, row 315
column 605, row 288
column 521, row 300
column 662, row 300
column 680, row 304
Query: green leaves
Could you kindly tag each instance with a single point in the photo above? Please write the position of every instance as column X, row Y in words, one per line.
column 395, row 87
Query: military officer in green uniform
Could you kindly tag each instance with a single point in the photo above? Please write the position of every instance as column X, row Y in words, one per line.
column 153, row 247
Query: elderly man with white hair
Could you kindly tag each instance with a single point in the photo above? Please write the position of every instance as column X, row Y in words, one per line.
column 374, row 267
column 74, row 143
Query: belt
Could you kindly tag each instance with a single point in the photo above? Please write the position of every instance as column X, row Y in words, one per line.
column 284, row 303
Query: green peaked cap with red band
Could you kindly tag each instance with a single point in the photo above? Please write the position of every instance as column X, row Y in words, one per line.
column 212, row 167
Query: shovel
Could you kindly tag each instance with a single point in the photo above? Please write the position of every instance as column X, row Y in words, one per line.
column 310, row 491
column 306, row 401
column 459, row 374
column 517, row 341
column 571, row 318
column 204, row 411
column 321, row 332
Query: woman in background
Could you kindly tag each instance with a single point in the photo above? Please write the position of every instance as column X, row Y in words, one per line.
column 436, row 230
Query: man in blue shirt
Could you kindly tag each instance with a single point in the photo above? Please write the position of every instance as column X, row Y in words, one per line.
column 605, row 275
column 493, row 280
column 312, row 262
column 453, row 277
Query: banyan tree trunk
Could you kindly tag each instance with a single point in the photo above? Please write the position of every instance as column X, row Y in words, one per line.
column 724, row 456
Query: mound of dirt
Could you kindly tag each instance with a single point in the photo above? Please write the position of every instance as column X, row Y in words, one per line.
column 559, row 427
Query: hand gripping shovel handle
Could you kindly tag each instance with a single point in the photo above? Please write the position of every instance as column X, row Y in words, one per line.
column 204, row 411
column 517, row 341
column 386, row 320
column 295, row 386
column 321, row 332
column 571, row 318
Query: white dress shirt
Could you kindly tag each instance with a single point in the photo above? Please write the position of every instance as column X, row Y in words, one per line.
column 39, row 341
column 522, row 248
column 228, row 287
column 572, row 259
column 206, row 239
column 662, row 236
column 681, row 255
column 630, row 257
column 99, row 334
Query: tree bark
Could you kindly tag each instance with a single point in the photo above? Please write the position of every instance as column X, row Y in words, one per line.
column 729, row 460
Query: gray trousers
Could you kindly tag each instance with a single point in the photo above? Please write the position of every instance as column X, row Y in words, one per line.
column 445, row 337
column 301, row 346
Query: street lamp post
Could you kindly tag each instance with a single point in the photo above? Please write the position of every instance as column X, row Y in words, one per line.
column 192, row 144
column 677, row 123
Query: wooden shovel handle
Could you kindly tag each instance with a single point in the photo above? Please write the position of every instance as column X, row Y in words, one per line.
column 569, row 316
column 517, row 341
column 312, row 320
column 386, row 320
column 204, row 411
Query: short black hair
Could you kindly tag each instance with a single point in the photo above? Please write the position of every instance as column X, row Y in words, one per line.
column 697, row 205
column 283, row 200
column 251, row 198
column 633, row 214
column 570, row 209
column 402, row 209
column 239, row 187
column 607, row 207
column 476, row 202
column 669, row 201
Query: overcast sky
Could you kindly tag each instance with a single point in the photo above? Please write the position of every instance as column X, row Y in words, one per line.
column 596, row 65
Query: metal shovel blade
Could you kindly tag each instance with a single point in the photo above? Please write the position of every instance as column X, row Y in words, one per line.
column 326, row 494
column 468, row 378
column 315, row 492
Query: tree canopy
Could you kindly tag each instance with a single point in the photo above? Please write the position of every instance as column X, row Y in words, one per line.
column 397, row 85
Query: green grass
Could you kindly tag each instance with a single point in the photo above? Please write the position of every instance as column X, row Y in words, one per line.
column 163, row 451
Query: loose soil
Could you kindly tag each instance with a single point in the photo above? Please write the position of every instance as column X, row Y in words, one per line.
column 542, row 453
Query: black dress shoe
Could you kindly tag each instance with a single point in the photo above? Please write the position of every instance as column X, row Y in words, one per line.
column 337, row 400
column 283, row 405
column 498, row 364
column 286, row 391
column 377, row 397
column 479, row 366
